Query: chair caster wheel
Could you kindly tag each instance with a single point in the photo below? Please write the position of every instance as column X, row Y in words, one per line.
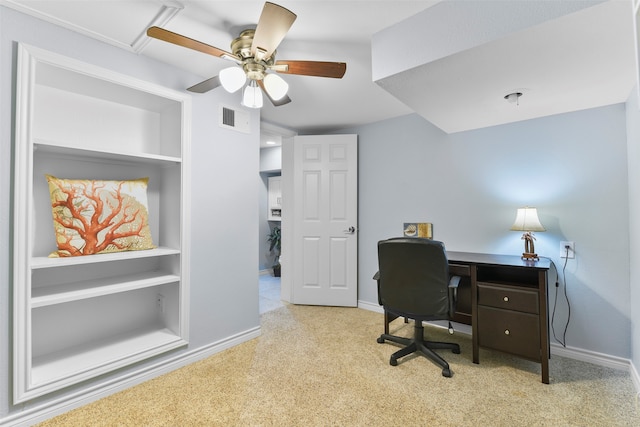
column 393, row 362
column 446, row 373
column 380, row 340
column 456, row 350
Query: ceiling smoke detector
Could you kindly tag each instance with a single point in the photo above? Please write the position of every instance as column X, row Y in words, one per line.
column 514, row 97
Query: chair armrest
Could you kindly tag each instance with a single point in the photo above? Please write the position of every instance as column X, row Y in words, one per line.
column 376, row 277
column 454, row 281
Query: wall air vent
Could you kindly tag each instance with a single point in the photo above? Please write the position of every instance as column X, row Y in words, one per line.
column 228, row 117
column 235, row 119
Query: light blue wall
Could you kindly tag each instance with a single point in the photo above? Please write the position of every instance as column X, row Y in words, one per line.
column 633, row 136
column 224, row 210
column 572, row 167
column 271, row 159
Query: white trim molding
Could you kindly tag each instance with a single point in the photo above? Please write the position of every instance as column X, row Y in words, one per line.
column 168, row 10
column 366, row 305
column 50, row 409
column 635, row 377
column 594, row 357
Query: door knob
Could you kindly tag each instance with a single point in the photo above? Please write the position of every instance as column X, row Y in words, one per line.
column 350, row 230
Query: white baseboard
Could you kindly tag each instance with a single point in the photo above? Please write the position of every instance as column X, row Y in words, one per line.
column 599, row 359
column 42, row 412
column 596, row 358
column 366, row 305
column 635, row 377
column 589, row 356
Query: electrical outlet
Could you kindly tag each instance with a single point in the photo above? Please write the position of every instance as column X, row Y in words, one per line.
column 160, row 302
column 571, row 253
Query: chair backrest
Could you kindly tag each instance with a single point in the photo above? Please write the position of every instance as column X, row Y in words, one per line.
column 414, row 277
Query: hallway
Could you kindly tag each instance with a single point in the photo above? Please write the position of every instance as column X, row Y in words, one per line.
column 269, row 291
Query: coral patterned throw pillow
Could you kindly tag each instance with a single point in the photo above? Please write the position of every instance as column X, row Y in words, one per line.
column 94, row 216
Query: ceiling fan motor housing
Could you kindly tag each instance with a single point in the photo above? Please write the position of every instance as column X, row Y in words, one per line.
column 254, row 68
column 241, row 46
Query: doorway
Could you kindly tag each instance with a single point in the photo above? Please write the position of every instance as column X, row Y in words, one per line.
column 269, row 287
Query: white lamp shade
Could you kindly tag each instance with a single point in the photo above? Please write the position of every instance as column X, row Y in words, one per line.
column 527, row 220
column 252, row 97
column 275, row 86
column 232, row 78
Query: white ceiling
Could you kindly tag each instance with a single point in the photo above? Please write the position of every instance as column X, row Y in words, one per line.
column 576, row 61
column 579, row 61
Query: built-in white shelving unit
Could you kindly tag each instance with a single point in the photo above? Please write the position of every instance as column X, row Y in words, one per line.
column 274, row 198
column 79, row 317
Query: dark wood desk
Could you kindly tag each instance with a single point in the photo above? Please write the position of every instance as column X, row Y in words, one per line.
column 504, row 299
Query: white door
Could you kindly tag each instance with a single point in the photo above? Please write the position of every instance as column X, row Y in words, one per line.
column 320, row 225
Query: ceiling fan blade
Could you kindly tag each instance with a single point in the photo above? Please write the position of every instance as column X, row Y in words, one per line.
column 311, row 68
column 273, row 25
column 206, row 85
column 282, row 101
column 180, row 40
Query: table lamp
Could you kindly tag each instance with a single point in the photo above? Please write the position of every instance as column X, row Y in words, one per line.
column 527, row 221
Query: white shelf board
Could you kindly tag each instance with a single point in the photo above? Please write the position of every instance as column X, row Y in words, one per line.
column 87, row 80
column 58, row 148
column 46, row 262
column 67, row 292
column 78, row 363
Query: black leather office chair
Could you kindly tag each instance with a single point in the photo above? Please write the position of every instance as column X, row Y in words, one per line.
column 413, row 282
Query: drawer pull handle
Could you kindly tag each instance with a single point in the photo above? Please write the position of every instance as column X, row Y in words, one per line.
column 506, row 332
column 505, row 299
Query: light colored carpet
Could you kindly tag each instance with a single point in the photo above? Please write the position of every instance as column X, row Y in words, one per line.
column 322, row 366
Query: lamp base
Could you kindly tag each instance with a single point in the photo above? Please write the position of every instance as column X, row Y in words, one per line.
column 529, row 251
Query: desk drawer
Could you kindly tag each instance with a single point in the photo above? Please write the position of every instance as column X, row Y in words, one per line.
column 509, row 331
column 508, row 297
column 459, row 270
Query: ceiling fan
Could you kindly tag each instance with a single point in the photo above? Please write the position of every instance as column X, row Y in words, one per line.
column 254, row 51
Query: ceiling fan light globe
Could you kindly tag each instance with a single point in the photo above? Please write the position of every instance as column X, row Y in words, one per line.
column 275, row 86
column 252, row 96
column 232, row 79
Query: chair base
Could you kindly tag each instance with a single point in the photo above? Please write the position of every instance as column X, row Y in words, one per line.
column 419, row 345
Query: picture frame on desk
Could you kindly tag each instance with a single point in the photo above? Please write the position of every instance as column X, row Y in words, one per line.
column 418, row 229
